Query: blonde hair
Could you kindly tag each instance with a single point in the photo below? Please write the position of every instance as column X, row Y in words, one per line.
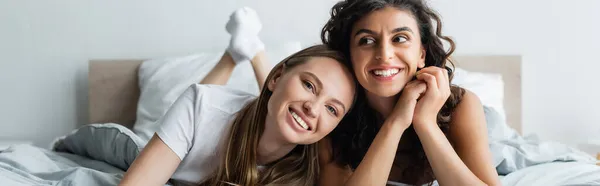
column 239, row 165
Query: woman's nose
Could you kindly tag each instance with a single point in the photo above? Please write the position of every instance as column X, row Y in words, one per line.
column 310, row 109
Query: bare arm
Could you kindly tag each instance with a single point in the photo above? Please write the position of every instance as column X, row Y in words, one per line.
column 154, row 166
column 220, row 74
column 471, row 162
column 261, row 68
column 375, row 167
column 469, row 133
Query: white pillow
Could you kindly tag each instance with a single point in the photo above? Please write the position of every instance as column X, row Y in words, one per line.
column 161, row 81
column 489, row 87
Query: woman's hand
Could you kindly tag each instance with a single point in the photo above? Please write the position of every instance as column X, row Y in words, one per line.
column 438, row 91
column 375, row 167
column 405, row 107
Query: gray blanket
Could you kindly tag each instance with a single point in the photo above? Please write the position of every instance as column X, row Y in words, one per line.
column 29, row 165
column 93, row 155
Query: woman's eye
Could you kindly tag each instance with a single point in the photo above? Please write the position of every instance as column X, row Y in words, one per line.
column 309, row 86
column 400, row 39
column 332, row 110
column 366, row 41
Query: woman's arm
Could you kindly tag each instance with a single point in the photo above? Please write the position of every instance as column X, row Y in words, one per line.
column 469, row 162
column 470, row 137
column 467, row 126
column 154, row 166
column 375, row 167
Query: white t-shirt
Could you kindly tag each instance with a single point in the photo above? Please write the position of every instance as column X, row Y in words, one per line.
column 196, row 126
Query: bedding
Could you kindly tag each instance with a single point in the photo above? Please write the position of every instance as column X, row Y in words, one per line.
column 489, row 87
column 528, row 161
column 29, row 165
column 95, row 154
column 555, row 173
column 512, row 152
column 111, row 143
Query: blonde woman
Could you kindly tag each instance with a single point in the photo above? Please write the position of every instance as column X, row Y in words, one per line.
column 214, row 135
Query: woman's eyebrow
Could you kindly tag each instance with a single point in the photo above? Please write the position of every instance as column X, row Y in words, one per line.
column 338, row 102
column 319, row 84
column 396, row 30
column 366, row 31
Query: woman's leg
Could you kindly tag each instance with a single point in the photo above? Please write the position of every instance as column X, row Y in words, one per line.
column 220, row 74
column 261, row 68
column 243, row 26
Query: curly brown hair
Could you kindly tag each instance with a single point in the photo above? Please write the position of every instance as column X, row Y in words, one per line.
column 352, row 138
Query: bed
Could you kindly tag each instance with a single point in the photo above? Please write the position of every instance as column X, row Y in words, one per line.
column 82, row 158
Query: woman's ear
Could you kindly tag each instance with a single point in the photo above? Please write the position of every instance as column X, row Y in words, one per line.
column 273, row 81
column 422, row 58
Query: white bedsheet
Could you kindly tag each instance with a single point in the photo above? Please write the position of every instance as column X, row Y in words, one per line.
column 529, row 161
column 555, row 173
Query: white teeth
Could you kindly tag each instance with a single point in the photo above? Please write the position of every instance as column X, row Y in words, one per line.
column 299, row 120
column 386, row 73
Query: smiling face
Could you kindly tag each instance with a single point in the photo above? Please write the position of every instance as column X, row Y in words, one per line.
column 386, row 50
column 309, row 100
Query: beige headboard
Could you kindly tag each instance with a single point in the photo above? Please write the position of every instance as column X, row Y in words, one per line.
column 114, row 91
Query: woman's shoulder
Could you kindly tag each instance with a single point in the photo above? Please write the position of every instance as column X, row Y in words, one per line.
column 223, row 98
column 468, row 101
column 468, row 112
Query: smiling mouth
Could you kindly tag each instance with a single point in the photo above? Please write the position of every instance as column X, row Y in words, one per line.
column 387, row 72
column 299, row 120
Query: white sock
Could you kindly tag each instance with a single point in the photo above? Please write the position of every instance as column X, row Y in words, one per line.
column 244, row 48
column 243, row 26
column 243, row 21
